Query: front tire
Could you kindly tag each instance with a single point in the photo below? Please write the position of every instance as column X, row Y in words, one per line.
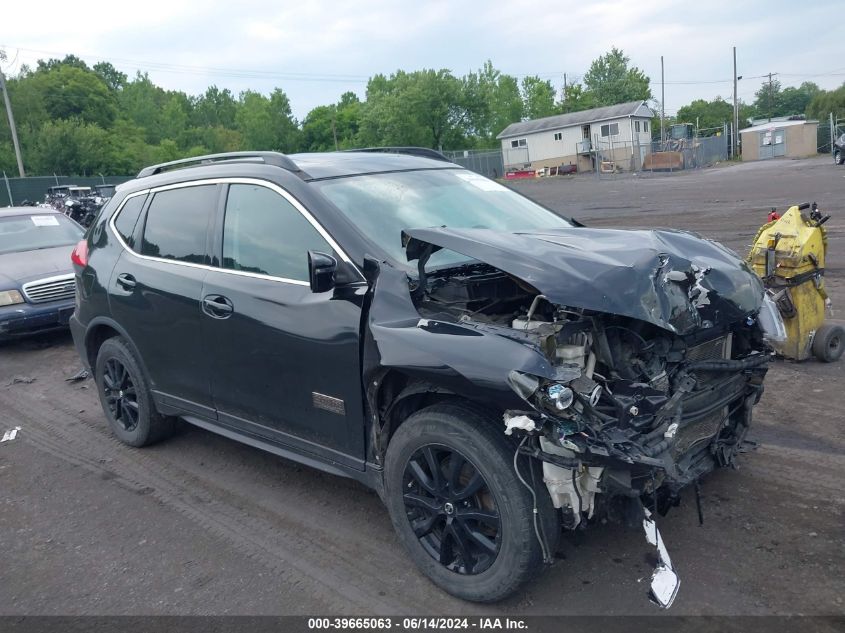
column 839, row 157
column 458, row 507
column 125, row 396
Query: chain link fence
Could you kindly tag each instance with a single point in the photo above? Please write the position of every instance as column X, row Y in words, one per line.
column 16, row 191
column 488, row 163
column 825, row 138
column 610, row 158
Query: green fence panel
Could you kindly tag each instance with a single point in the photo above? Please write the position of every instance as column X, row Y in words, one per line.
column 35, row 187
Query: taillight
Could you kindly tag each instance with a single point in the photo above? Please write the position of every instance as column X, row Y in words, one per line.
column 79, row 256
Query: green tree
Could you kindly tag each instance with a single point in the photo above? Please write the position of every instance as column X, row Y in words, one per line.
column 797, row 100
column 254, row 121
column 348, row 119
column 286, row 129
column 576, row 98
column 828, row 101
column 610, row 80
column 767, row 98
column 215, row 108
column 51, row 64
column 141, row 102
column 772, row 100
column 493, row 102
column 330, row 127
column 174, row 115
column 71, row 147
column 538, row 98
column 68, row 91
column 319, row 128
column 421, row 108
column 112, row 77
column 707, row 114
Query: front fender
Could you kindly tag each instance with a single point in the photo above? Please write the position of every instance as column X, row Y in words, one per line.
column 456, row 357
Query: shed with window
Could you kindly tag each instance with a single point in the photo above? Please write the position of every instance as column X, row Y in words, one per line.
column 619, row 133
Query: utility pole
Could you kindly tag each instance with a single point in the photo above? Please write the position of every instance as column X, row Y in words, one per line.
column 734, row 136
column 12, row 127
column 771, row 97
column 334, row 134
column 662, row 101
column 564, row 86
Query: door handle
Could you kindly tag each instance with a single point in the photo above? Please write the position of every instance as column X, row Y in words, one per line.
column 217, row 306
column 126, row 281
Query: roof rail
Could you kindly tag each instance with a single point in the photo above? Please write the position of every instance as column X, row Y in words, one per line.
column 276, row 159
column 423, row 152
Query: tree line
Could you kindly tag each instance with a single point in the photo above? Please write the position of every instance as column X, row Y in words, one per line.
column 76, row 119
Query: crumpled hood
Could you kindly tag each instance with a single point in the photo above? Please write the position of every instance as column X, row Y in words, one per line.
column 655, row 276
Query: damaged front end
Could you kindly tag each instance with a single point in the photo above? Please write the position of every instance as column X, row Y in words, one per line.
column 632, row 359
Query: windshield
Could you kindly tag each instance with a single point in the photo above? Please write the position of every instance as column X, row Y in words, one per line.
column 383, row 205
column 20, row 233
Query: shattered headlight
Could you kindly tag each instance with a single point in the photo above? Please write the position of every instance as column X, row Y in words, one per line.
column 771, row 321
column 559, row 395
column 555, row 395
column 10, row 298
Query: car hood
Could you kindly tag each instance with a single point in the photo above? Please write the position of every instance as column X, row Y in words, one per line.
column 19, row 268
column 673, row 279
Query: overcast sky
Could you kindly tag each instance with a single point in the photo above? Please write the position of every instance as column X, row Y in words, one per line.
column 316, row 50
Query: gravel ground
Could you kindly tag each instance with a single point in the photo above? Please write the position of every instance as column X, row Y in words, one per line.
column 203, row 525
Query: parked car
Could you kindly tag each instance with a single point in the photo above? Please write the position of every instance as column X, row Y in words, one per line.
column 495, row 371
column 36, row 276
column 839, row 150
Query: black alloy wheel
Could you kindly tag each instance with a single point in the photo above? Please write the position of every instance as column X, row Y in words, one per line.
column 126, row 398
column 451, row 509
column 458, row 506
column 120, row 394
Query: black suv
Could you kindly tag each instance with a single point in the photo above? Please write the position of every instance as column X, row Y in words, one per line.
column 495, row 371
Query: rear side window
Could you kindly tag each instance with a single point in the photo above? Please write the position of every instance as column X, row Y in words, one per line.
column 177, row 221
column 126, row 220
column 264, row 233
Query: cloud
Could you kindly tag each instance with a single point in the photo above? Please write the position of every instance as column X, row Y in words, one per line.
column 317, row 50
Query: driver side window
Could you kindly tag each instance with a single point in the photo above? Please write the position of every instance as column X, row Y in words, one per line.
column 263, row 233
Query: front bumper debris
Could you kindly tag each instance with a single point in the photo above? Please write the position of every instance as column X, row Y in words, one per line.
column 664, row 581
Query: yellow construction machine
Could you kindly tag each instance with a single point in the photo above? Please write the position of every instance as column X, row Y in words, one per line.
column 788, row 254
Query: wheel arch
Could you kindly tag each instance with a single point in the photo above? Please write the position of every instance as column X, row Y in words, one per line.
column 101, row 329
column 397, row 395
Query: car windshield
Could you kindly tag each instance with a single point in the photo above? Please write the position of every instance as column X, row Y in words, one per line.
column 383, row 205
column 20, row 233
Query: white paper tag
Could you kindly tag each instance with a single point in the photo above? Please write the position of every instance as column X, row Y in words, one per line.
column 44, row 220
column 481, row 182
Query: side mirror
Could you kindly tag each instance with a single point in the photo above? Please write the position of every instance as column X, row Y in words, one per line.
column 321, row 271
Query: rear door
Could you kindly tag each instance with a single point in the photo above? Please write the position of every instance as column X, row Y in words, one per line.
column 285, row 360
column 156, row 286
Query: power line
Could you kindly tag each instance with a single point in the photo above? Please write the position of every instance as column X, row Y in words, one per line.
column 220, row 71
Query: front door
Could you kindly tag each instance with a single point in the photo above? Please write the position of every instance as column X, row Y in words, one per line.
column 286, row 360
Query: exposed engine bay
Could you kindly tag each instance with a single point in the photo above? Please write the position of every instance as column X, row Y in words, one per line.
column 626, row 363
column 632, row 408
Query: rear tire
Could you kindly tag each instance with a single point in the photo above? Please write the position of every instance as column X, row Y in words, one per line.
column 480, row 546
column 839, row 157
column 125, row 396
column 828, row 343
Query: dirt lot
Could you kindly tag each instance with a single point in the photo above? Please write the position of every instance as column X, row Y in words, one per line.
column 202, row 525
